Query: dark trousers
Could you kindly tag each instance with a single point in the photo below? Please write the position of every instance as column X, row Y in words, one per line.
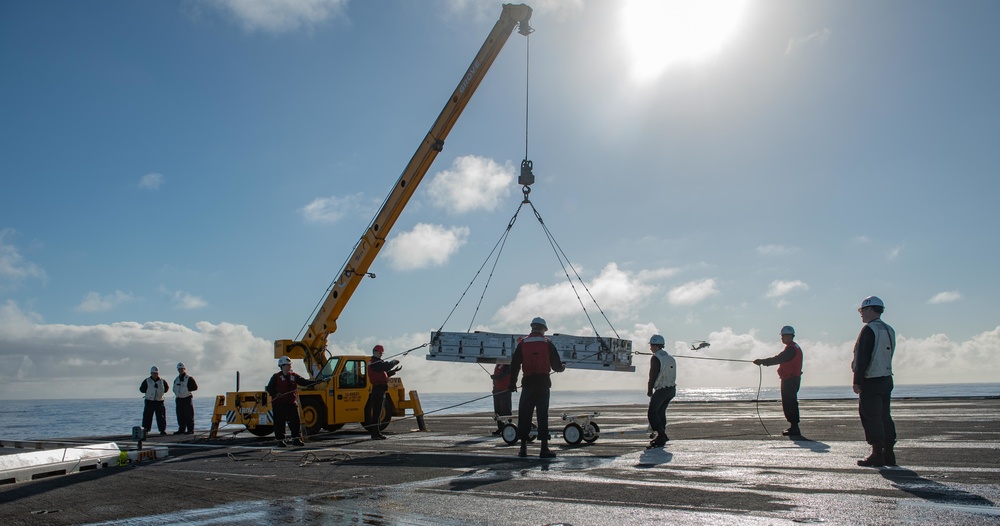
column 873, row 406
column 185, row 414
column 373, row 409
column 501, row 404
column 790, row 399
column 149, row 409
column 533, row 399
column 658, row 403
column 286, row 413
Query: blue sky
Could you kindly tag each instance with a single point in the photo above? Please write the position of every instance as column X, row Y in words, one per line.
column 183, row 180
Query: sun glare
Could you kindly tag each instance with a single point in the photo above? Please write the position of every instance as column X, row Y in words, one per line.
column 662, row 33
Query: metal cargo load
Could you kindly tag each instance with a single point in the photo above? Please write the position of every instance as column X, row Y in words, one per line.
column 577, row 352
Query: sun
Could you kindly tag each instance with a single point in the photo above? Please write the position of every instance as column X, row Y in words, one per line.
column 663, row 33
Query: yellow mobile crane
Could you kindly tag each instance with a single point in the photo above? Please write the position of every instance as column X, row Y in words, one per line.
column 342, row 387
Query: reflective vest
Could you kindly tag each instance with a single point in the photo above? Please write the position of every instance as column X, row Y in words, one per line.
column 181, row 386
column 793, row 367
column 284, row 385
column 885, row 346
column 155, row 389
column 668, row 370
column 535, row 355
column 501, row 384
column 377, row 377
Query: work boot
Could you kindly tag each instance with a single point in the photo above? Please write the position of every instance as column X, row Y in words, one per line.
column 875, row 459
column 888, row 455
column 281, row 443
column 297, row 442
column 546, row 452
column 178, row 432
column 792, row 431
column 523, row 452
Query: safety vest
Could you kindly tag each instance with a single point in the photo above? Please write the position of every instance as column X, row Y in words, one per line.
column 668, row 370
column 535, row 355
column 885, row 346
column 181, row 386
column 377, row 377
column 502, row 383
column 286, row 384
column 793, row 367
column 155, row 389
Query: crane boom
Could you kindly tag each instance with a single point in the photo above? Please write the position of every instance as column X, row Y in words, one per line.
column 313, row 344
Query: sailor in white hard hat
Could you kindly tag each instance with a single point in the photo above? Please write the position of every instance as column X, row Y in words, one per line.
column 872, row 368
column 661, row 388
column 789, row 362
column 539, row 357
column 184, row 386
column 284, row 390
column 153, row 389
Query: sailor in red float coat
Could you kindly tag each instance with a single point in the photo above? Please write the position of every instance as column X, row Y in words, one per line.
column 789, row 362
column 379, row 371
column 502, row 390
column 539, row 358
column 284, row 390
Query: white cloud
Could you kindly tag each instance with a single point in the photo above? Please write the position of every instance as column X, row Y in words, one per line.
column 945, row 297
column 894, row 253
column 614, row 289
column 424, row 246
column 280, row 16
column 94, row 302
column 40, row 360
column 332, row 209
column 186, row 301
column 692, row 292
column 13, row 266
column 151, row 181
column 780, row 288
column 818, row 38
column 775, row 250
column 183, row 300
column 472, row 183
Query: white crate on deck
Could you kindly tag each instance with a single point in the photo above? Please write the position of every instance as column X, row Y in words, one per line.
column 577, row 352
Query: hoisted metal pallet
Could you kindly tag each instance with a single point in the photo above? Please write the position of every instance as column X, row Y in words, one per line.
column 577, row 352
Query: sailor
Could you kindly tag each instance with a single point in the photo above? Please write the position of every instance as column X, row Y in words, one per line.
column 872, row 368
column 539, row 357
column 789, row 362
column 661, row 389
column 153, row 389
column 284, row 390
column 184, row 384
column 502, row 390
column 379, row 372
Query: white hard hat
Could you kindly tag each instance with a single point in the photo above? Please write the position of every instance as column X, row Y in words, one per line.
column 872, row 301
column 153, row 369
column 180, row 365
column 656, row 339
column 284, row 360
column 788, row 329
column 540, row 321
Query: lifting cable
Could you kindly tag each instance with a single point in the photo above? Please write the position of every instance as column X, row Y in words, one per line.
column 760, row 378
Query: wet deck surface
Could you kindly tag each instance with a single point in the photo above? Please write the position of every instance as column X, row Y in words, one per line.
column 720, row 467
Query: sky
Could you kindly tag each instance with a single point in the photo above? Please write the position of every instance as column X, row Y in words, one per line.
column 182, row 181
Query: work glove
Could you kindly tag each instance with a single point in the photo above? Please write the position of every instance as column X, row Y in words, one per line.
column 758, row 361
column 649, row 393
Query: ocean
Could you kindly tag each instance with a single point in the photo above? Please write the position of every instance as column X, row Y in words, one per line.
column 54, row 419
